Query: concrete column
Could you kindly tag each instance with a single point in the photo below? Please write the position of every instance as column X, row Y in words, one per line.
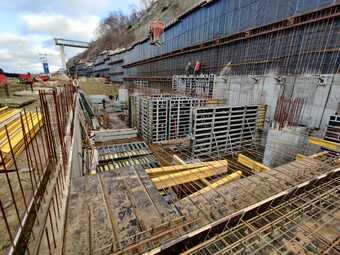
column 62, row 57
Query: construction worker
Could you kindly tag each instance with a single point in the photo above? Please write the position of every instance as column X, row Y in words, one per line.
column 189, row 69
column 197, row 68
column 4, row 82
column 29, row 80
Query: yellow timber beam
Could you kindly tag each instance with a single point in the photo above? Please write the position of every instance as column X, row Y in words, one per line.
column 155, row 172
column 32, row 123
column 2, row 109
column 300, row 157
column 178, row 160
column 315, row 156
column 182, row 177
column 7, row 114
column 227, row 179
column 252, row 164
column 325, row 144
column 182, row 162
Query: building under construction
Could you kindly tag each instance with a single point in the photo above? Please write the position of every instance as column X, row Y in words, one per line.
column 240, row 157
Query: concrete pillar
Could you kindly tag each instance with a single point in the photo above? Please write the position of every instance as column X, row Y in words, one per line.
column 62, row 57
column 283, row 145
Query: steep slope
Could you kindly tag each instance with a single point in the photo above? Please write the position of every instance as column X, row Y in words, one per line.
column 164, row 10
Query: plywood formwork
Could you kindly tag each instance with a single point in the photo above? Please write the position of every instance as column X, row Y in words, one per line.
column 143, row 221
column 221, row 130
column 118, row 209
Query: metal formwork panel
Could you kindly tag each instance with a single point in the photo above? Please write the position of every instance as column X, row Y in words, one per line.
column 167, row 117
column 180, row 116
column 194, row 85
column 113, row 157
column 223, row 129
column 333, row 129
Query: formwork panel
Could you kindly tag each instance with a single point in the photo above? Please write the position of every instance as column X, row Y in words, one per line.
column 166, row 117
column 333, row 129
column 194, row 85
column 222, row 129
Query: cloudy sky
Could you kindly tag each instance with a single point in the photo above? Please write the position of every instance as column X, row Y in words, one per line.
column 28, row 27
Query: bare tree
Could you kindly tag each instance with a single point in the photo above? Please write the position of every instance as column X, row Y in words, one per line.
column 146, row 3
column 112, row 31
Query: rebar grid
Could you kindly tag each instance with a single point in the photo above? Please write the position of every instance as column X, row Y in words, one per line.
column 299, row 45
column 43, row 161
column 281, row 226
column 205, row 212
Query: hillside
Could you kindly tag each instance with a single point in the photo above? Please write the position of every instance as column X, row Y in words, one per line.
column 164, row 10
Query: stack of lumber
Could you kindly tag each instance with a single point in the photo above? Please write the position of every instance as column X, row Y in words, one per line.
column 165, row 177
column 17, row 133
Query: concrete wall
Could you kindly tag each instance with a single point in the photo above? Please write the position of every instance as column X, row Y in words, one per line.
column 283, row 145
column 76, row 145
column 322, row 100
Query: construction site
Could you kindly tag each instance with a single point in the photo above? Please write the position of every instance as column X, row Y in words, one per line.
column 217, row 133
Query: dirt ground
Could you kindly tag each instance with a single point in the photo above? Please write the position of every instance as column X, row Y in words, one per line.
column 97, row 86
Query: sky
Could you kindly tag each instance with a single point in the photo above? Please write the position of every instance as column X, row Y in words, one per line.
column 28, row 28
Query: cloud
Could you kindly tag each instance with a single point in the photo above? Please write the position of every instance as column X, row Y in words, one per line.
column 72, row 8
column 32, row 32
column 21, row 53
column 57, row 25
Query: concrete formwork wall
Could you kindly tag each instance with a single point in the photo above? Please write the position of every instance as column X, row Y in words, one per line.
column 76, row 162
column 321, row 99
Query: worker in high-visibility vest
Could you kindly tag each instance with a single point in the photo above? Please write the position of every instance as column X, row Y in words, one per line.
column 197, row 68
column 4, row 82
